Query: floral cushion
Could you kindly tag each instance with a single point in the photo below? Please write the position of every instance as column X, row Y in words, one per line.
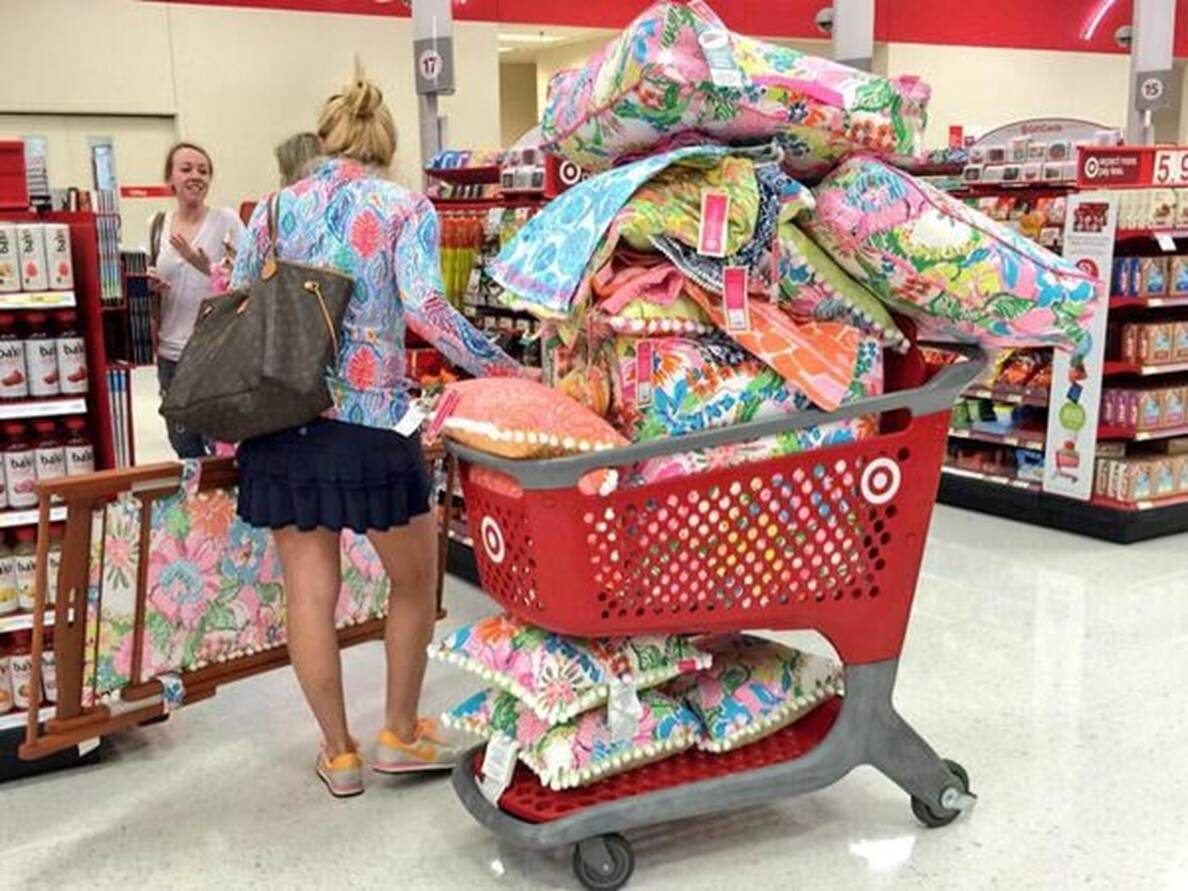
column 697, row 384
column 653, row 86
column 557, row 676
column 519, row 418
column 542, row 268
column 812, row 285
column 957, row 272
column 754, row 688
column 868, row 382
column 671, row 203
column 582, row 750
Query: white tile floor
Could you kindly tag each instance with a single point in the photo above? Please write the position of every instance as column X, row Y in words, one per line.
column 1051, row 666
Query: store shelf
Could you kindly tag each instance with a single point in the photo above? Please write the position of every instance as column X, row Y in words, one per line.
column 42, row 408
column 464, row 176
column 1023, row 439
column 1148, row 302
column 38, row 300
column 22, row 622
column 16, row 720
column 1137, row 234
column 1113, row 522
column 1115, row 366
column 1133, row 506
column 1106, row 432
column 992, row 478
column 10, row 519
column 1018, row 396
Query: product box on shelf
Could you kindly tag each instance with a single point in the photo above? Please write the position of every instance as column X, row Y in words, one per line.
column 32, row 258
column 10, row 264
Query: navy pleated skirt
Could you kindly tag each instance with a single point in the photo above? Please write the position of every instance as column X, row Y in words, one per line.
column 332, row 475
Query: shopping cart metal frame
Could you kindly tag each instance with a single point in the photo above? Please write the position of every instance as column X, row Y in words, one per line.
column 867, row 730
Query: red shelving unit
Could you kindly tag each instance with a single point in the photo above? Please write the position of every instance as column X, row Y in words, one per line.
column 1117, row 367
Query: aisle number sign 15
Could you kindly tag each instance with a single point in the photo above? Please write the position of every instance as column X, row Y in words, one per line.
column 1171, row 167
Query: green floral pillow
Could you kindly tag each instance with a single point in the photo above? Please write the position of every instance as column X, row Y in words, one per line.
column 558, row 676
column 585, row 749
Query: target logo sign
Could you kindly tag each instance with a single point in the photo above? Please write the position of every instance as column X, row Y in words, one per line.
column 492, row 537
column 569, row 173
column 1092, row 167
column 880, row 480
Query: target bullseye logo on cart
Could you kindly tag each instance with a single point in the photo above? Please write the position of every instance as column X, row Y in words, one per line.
column 492, row 537
column 880, row 480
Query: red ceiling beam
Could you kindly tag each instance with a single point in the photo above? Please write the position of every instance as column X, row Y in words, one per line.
column 1071, row 25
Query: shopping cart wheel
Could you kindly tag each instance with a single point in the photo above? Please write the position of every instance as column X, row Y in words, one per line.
column 604, row 863
column 933, row 818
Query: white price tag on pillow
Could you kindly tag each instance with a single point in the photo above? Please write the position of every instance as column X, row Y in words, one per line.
column 499, row 764
column 623, row 710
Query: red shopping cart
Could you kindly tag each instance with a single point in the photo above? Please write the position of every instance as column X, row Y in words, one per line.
column 829, row 539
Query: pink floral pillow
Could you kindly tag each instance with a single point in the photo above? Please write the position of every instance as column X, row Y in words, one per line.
column 585, row 749
column 558, row 677
column 755, row 687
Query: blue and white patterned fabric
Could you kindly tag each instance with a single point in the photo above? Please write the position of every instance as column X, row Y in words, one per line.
column 546, row 261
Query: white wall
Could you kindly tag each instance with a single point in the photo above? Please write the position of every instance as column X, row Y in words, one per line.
column 237, row 80
column 517, row 100
column 986, row 87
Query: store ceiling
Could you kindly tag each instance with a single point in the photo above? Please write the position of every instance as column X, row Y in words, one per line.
column 1074, row 25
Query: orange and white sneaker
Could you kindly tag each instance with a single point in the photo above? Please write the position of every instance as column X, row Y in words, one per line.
column 342, row 774
column 428, row 751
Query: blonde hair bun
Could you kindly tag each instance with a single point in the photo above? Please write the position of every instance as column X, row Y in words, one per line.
column 357, row 124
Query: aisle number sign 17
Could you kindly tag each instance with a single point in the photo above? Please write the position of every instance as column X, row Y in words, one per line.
column 1171, row 167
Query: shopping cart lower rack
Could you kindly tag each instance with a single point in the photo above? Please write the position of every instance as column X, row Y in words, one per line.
column 829, row 539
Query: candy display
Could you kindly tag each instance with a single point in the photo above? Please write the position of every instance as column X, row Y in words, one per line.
column 1160, row 342
column 1149, row 407
column 1141, row 477
column 958, row 273
column 676, row 74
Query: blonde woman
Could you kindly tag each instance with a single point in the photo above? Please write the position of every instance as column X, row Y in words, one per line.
column 351, row 469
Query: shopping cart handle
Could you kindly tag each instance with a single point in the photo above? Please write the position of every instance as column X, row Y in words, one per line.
column 938, row 394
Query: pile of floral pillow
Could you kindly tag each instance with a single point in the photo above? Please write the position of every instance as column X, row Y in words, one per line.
column 556, row 698
column 630, row 268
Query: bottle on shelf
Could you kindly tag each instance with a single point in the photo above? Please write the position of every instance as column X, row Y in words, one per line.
column 49, row 451
column 20, row 665
column 53, row 564
column 5, row 680
column 10, row 276
column 72, row 354
column 80, row 452
column 14, row 377
column 20, row 466
column 25, row 567
column 41, row 356
column 49, row 669
column 3, row 481
column 8, row 588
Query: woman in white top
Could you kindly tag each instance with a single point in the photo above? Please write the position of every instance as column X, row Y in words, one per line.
column 187, row 247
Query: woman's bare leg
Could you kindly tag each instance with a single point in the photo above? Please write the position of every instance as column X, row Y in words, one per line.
column 409, row 556
column 311, row 563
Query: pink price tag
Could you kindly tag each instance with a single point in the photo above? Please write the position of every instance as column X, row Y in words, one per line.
column 711, row 231
column 445, row 407
column 735, row 300
column 643, row 373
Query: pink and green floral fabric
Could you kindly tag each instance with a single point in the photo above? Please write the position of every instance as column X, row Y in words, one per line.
column 755, row 687
column 868, row 382
column 214, row 589
column 957, row 272
column 556, row 676
column 582, row 750
column 812, row 285
column 654, row 86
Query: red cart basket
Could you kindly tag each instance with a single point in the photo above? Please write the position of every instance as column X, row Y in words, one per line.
column 829, row 539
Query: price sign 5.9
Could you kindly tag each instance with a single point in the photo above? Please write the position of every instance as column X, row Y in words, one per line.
column 1171, row 167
